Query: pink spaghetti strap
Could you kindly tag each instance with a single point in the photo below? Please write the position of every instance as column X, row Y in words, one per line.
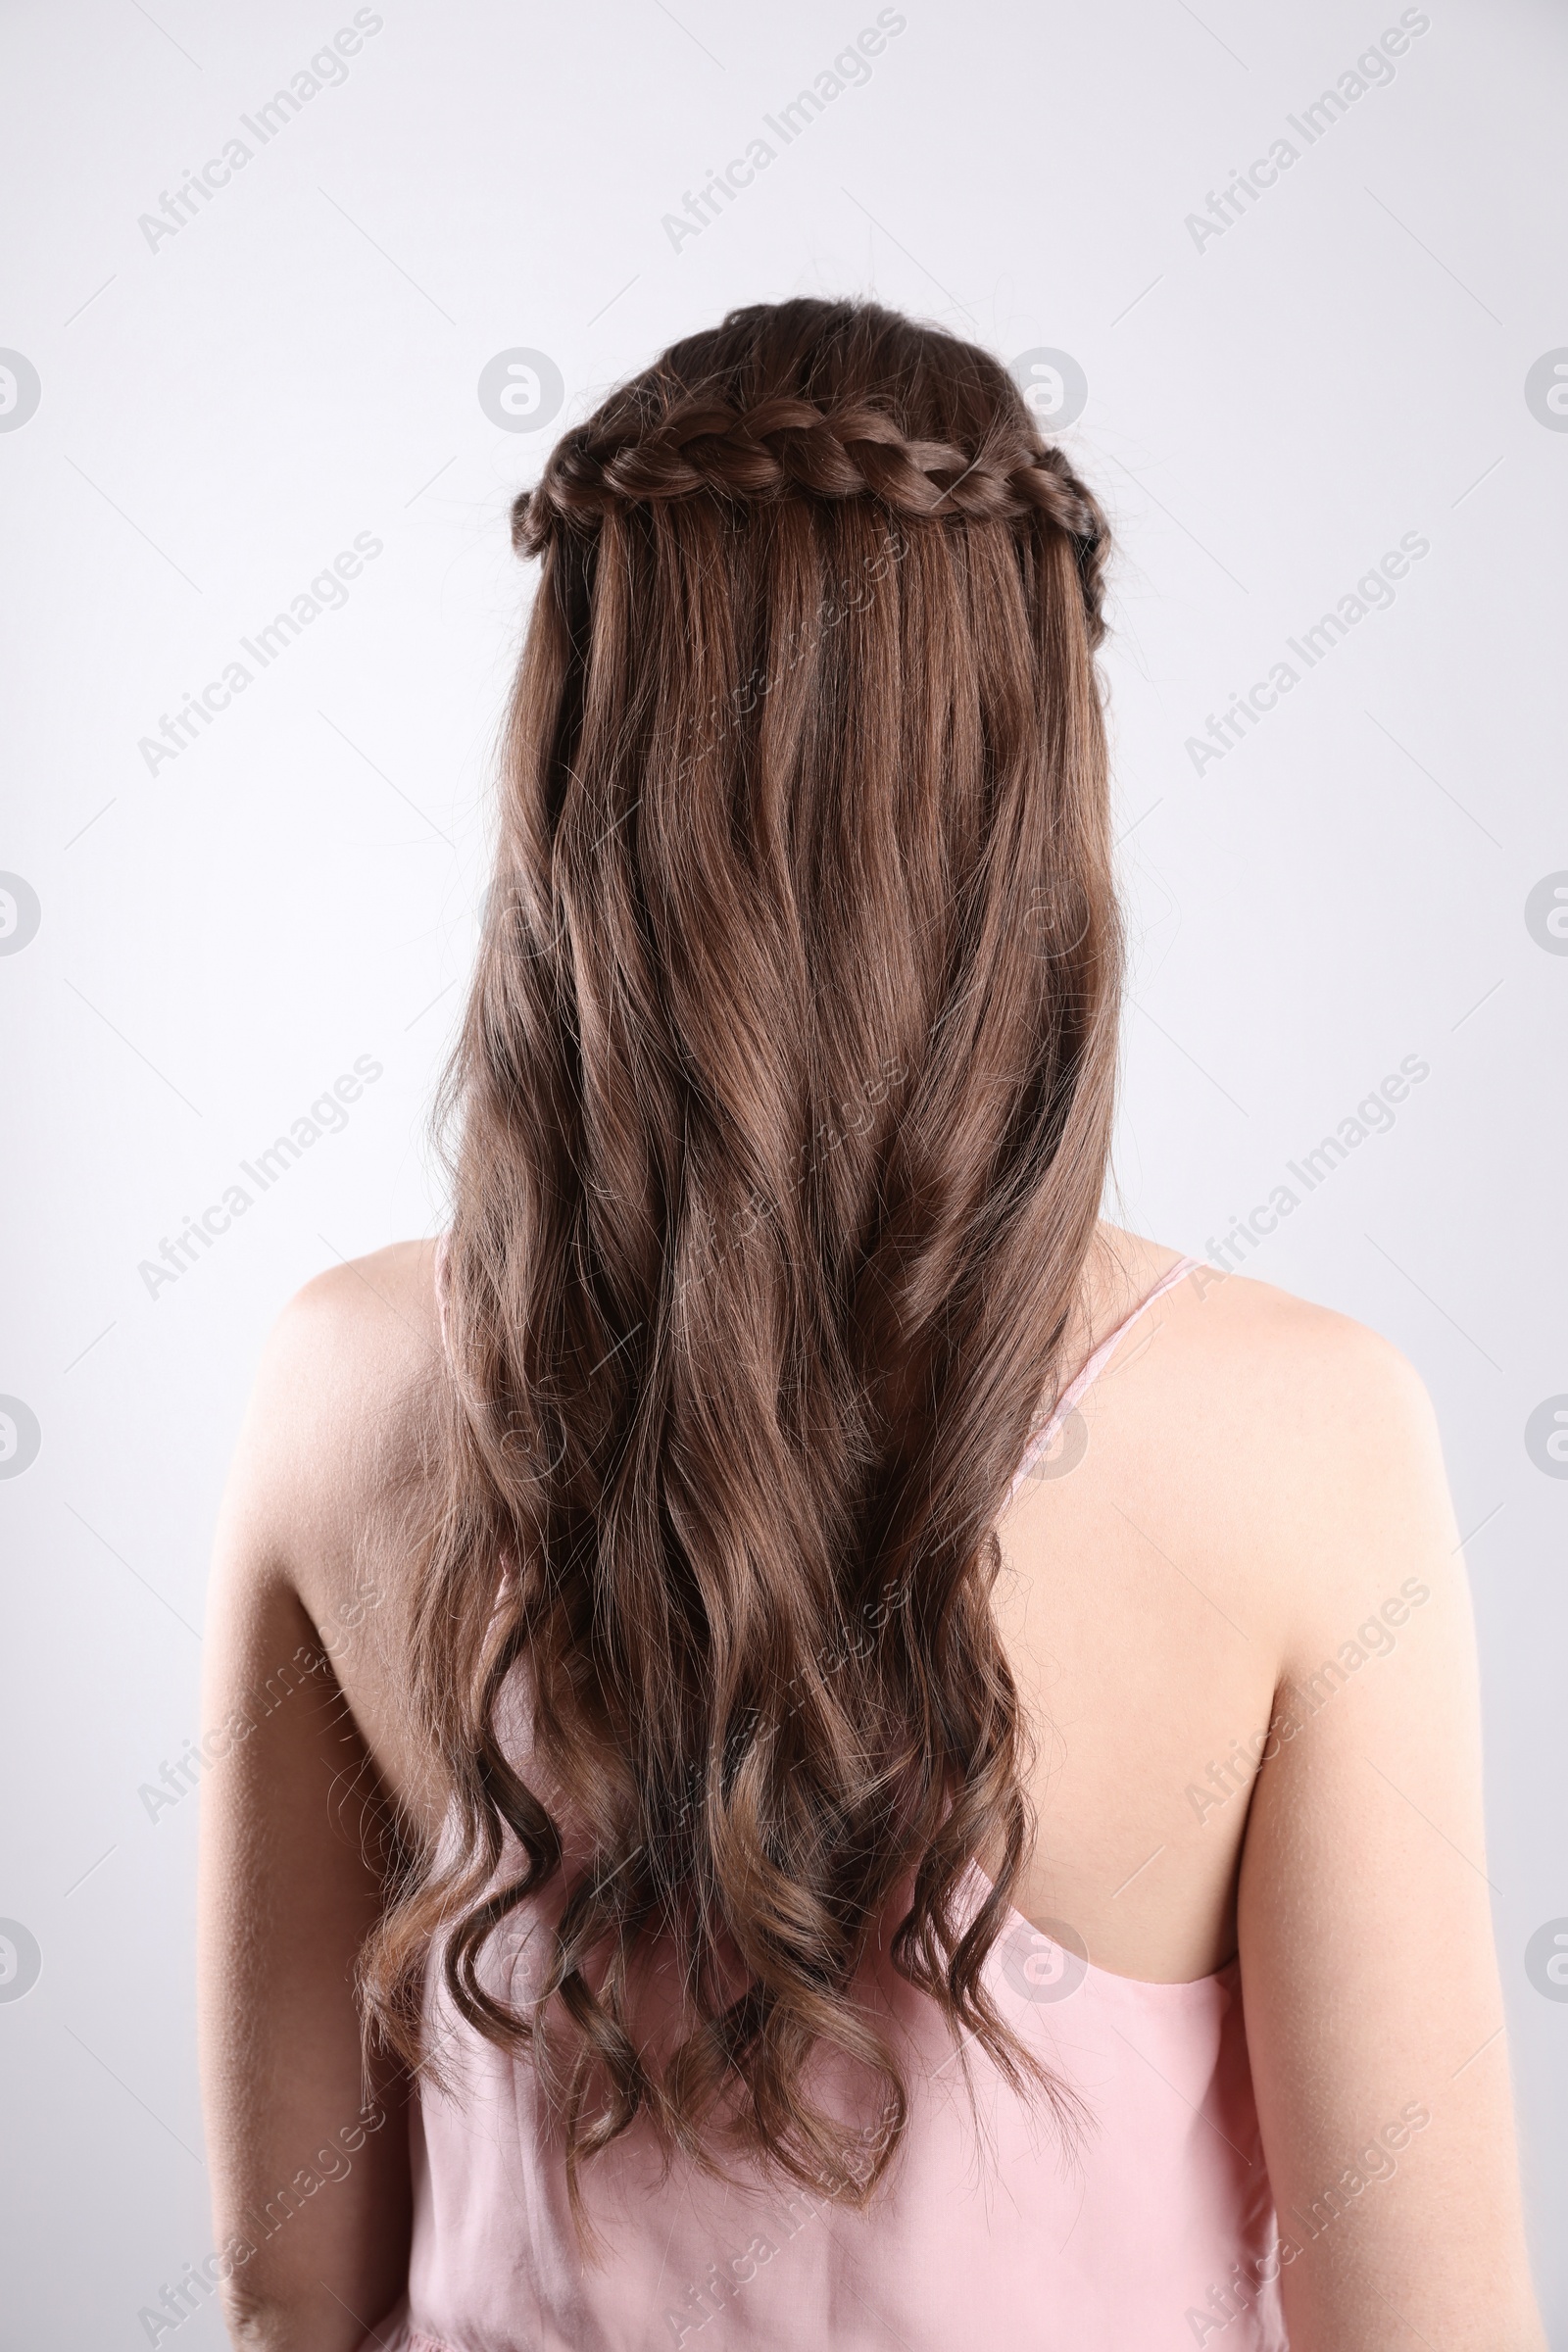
column 1084, row 1379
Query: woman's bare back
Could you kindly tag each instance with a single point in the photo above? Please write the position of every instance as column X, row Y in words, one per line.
column 1146, row 1598
column 1233, row 1603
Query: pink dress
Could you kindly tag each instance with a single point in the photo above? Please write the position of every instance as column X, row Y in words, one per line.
column 1158, row 2231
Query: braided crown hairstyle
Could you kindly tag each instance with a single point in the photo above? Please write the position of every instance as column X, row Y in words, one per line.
column 660, row 441
column 783, row 1107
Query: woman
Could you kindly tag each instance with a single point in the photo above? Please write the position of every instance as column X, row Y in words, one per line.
column 795, row 1676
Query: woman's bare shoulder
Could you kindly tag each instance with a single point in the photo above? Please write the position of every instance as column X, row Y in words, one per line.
column 334, row 1440
column 1273, row 1432
column 1265, row 1357
column 360, row 1332
column 377, row 1300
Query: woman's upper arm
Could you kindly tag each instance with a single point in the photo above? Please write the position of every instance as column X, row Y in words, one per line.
column 309, row 2157
column 1374, row 2013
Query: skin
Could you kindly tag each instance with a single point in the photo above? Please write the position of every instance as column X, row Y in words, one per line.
column 1261, row 1480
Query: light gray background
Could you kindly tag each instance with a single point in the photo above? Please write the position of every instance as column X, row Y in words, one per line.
column 223, row 413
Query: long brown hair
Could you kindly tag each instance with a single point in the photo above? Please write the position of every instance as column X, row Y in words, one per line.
column 783, row 1107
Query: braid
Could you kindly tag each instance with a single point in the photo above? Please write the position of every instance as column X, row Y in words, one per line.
column 791, row 448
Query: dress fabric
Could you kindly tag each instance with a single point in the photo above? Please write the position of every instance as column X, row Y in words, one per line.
column 1155, row 2231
